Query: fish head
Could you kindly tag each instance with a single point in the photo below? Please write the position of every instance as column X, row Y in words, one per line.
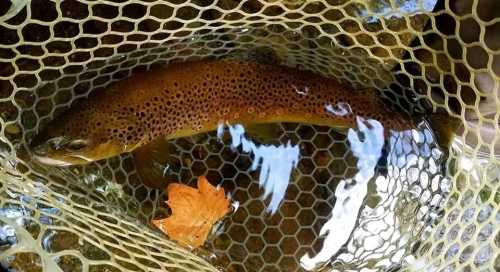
column 84, row 137
column 65, row 151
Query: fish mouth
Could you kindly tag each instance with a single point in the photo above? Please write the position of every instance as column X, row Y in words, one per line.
column 49, row 155
column 56, row 155
column 51, row 161
column 63, row 160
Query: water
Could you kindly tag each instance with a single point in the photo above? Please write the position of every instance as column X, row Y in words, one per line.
column 315, row 194
column 307, row 196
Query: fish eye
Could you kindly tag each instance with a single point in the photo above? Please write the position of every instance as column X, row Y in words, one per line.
column 76, row 145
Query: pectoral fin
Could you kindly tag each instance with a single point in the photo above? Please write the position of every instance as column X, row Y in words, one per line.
column 152, row 163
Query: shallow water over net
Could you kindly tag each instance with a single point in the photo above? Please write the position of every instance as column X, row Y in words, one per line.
column 433, row 211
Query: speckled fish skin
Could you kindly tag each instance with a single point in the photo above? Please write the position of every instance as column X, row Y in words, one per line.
column 188, row 98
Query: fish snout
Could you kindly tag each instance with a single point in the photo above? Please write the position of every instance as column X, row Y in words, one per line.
column 40, row 150
column 58, row 151
column 41, row 147
column 44, row 153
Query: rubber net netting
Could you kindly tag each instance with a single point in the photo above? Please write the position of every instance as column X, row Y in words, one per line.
column 435, row 211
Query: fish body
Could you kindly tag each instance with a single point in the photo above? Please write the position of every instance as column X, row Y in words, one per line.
column 188, row 98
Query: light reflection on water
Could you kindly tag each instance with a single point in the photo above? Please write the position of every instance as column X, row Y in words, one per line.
column 410, row 192
column 350, row 192
column 395, row 9
column 276, row 164
column 411, row 196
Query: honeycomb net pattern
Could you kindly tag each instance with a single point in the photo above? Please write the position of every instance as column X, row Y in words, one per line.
column 256, row 241
column 442, row 58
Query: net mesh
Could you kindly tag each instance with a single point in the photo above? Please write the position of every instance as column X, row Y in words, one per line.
column 438, row 212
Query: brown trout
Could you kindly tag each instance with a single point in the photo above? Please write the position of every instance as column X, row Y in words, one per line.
column 188, row 98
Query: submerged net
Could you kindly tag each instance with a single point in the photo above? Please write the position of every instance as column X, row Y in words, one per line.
column 434, row 211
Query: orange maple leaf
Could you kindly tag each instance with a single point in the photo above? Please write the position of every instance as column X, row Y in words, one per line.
column 194, row 211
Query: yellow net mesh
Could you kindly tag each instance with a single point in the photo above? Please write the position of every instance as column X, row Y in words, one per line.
column 424, row 56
